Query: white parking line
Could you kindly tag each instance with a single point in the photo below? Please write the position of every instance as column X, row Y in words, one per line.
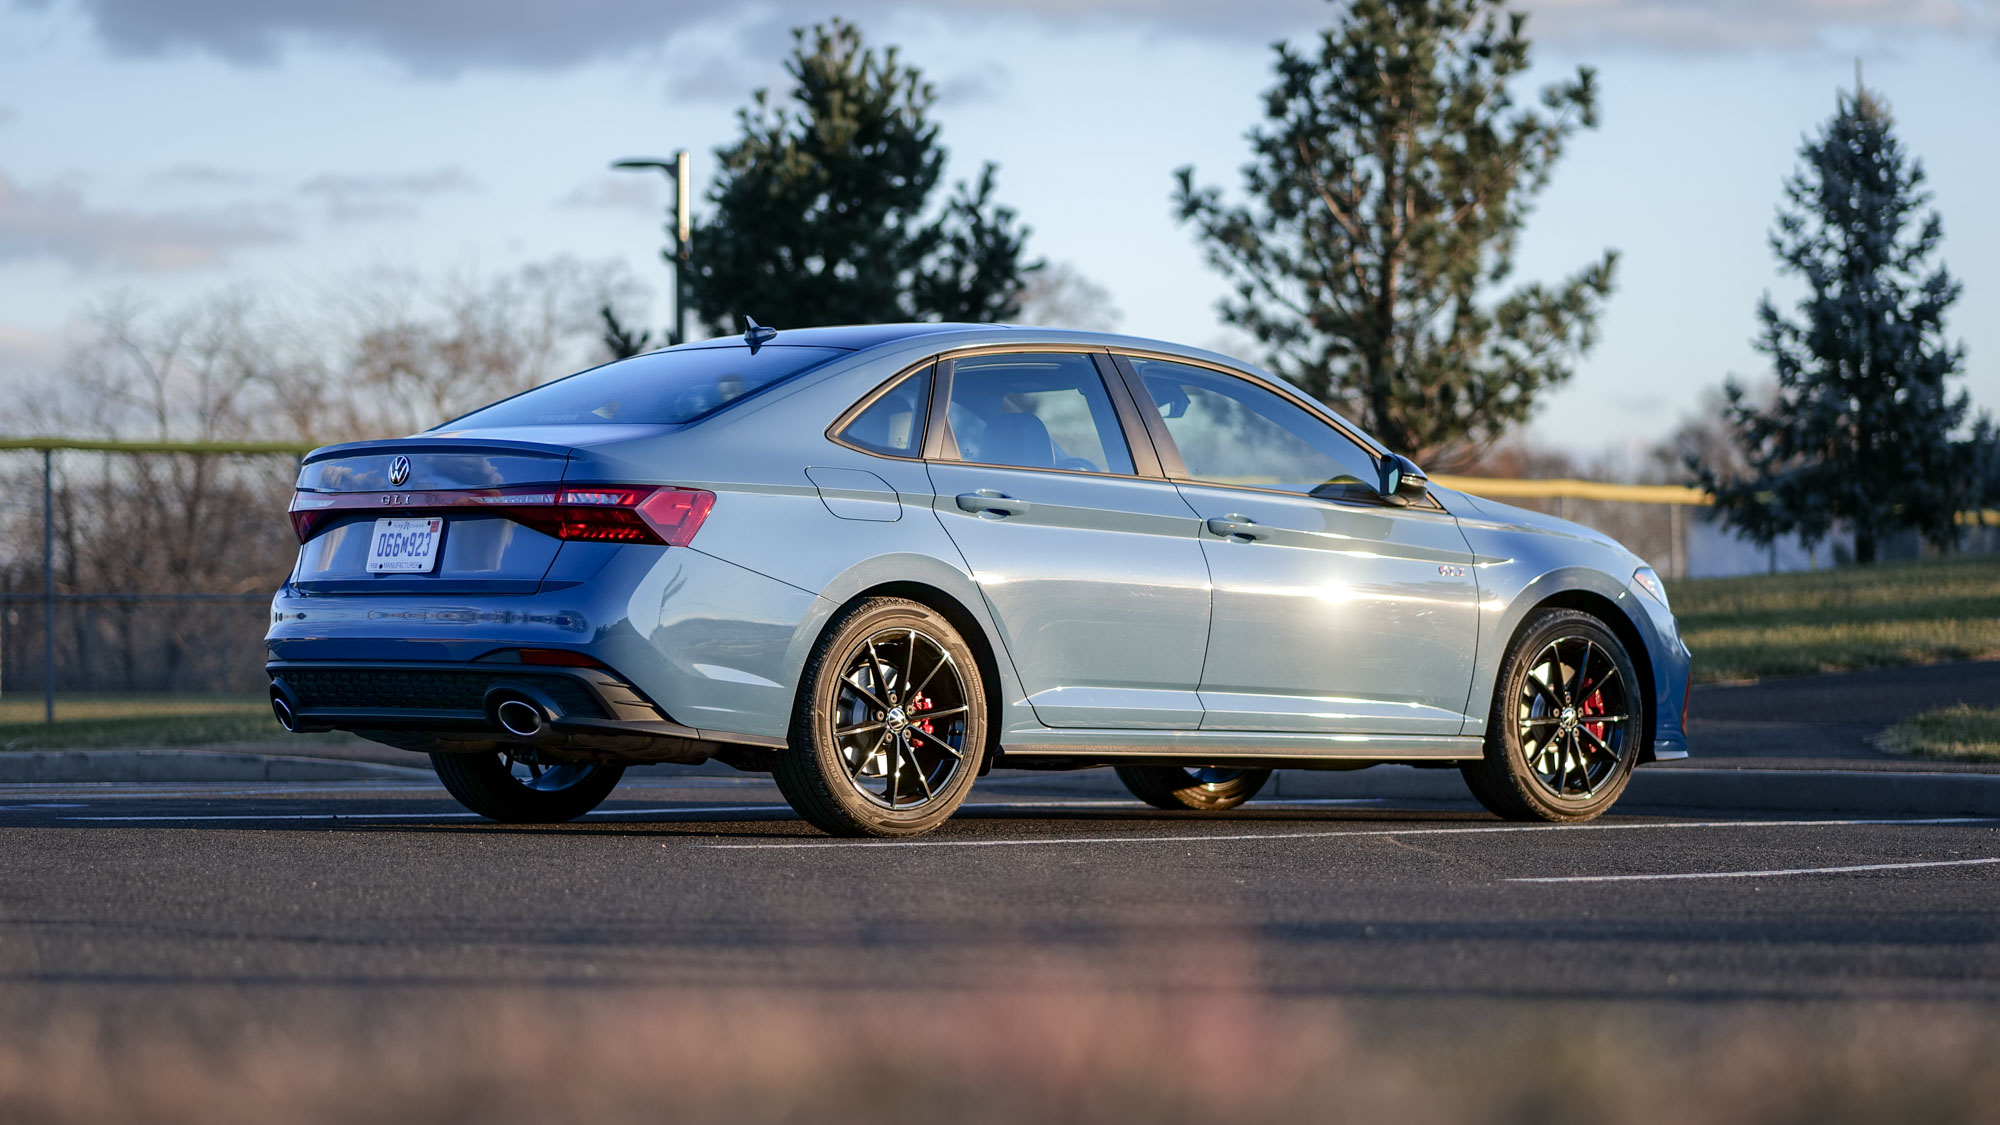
column 1757, row 874
column 1234, row 837
column 677, row 810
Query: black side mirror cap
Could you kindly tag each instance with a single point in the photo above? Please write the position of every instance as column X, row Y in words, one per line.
column 1403, row 483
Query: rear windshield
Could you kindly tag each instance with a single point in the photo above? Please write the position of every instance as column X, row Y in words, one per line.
column 661, row 387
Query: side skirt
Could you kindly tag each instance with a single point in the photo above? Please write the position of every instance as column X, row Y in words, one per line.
column 1276, row 750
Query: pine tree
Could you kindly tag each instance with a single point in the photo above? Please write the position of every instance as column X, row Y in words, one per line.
column 1859, row 428
column 822, row 209
column 1391, row 178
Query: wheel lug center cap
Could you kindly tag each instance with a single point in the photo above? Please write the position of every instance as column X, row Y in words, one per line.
column 897, row 719
column 1568, row 717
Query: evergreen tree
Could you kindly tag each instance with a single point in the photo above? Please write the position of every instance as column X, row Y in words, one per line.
column 822, row 210
column 1389, row 183
column 1859, row 428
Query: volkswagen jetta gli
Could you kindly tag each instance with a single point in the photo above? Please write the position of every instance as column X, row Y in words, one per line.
column 878, row 562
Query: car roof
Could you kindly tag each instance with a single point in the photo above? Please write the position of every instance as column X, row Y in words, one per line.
column 947, row 335
column 851, row 337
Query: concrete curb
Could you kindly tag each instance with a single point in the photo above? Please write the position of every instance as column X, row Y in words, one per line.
column 70, row 766
column 1863, row 791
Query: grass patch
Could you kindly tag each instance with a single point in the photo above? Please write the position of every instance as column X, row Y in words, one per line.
column 94, row 721
column 1953, row 734
column 1840, row 620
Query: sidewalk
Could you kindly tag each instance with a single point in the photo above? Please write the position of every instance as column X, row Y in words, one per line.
column 1828, row 722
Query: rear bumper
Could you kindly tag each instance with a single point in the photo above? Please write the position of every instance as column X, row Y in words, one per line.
column 588, row 709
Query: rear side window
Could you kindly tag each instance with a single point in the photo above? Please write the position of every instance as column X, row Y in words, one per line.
column 660, row 387
column 894, row 423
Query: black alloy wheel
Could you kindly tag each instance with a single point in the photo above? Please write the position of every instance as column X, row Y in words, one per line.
column 510, row 786
column 891, row 724
column 1198, row 788
column 1564, row 732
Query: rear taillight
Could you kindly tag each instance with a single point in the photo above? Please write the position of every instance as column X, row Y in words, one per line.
column 600, row 513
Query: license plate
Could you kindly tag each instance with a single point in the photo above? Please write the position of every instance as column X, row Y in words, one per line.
column 405, row 546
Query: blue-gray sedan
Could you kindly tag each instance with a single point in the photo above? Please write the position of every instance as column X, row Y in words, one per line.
column 879, row 561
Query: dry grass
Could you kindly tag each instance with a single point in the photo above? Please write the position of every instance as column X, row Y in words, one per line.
column 1838, row 620
column 1196, row 1056
column 1956, row 734
column 86, row 721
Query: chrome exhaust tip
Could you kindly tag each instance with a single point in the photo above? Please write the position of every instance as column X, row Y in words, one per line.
column 520, row 718
column 282, row 708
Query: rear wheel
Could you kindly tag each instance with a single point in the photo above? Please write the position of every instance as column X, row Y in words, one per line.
column 890, row 724
column 1202, row 788
column 1564, row 733
column 513, row 790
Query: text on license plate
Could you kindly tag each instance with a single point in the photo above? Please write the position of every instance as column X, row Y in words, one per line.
column 407, row 546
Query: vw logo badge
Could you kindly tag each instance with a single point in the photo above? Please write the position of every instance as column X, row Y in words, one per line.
column 399, row 470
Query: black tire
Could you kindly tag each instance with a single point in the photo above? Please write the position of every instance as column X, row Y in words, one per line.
column 1205, row 789
column 487, row 784
column 1565, row 729
column 908, row 715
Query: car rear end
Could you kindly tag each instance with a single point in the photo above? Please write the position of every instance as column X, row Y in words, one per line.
column 514, row 580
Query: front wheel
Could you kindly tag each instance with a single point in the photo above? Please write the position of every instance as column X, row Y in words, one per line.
column 499, row 786
column 890, row 725
column 1203, row 789
column 1564, row 732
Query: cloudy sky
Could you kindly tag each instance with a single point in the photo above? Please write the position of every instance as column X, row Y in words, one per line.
column 166, row 148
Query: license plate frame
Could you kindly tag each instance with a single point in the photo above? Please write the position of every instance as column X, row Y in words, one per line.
column 391, row 551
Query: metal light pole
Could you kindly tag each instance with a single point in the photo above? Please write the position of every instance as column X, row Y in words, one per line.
column 679, row 256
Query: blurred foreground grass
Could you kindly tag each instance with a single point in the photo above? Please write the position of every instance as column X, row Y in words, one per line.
column 1837, row 620
column 94, row 721
column 1196, row 1054
column 1955, row 734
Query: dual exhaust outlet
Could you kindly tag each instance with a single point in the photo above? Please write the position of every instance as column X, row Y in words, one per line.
column 517, row 712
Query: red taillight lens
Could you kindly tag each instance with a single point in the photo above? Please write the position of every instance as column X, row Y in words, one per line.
column 601, row 513
column 676, row 513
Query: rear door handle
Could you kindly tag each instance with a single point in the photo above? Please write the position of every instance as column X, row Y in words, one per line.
column 988, row 504
column 1235, row 527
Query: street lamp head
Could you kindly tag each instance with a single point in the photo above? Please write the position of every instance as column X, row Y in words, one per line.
column 643, row 164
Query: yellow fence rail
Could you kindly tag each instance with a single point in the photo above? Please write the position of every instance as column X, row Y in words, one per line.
column 1563, row 489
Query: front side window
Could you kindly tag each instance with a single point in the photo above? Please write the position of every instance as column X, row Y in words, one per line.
column 656, row 388
column 1040, row 411
column 894, row 423
column 1230, row 431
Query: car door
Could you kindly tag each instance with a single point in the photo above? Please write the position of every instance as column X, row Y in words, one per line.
column 1333, row 611
column 1087, row 556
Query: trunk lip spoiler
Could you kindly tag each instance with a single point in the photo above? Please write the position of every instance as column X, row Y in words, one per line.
column 435, row 445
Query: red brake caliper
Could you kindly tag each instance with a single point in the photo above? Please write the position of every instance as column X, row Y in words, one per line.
column 1593, row 704
column 923, row 703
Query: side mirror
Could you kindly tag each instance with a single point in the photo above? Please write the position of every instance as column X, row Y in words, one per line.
column 1403, row 483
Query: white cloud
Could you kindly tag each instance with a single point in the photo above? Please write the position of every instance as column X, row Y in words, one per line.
column 355, row 198
column 444, row 37
column 1726, row 25
column 56, row 222
column 623, row 191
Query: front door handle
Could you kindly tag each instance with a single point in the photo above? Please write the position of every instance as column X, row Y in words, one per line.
column 988, row 504
column 1241, row 528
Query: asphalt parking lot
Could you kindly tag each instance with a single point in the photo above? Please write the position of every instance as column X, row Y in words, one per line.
column 144, row 897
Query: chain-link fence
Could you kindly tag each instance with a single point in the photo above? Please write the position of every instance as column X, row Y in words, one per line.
column 134, row 586
column 135, row 578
